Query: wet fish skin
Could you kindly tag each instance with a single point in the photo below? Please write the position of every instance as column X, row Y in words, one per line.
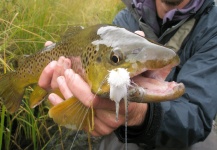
column 93, row 52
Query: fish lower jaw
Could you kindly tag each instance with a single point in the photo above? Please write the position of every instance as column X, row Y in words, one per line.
column 149, row 91
column 150, row 86
column 171, row 93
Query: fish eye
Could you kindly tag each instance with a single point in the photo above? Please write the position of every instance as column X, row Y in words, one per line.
column 116, row 57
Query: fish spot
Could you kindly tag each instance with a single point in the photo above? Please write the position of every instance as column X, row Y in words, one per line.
column 89, row 55
column 98, row 59
column 86, row 59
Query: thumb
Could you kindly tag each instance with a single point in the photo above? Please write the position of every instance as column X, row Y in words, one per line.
column 141, row 33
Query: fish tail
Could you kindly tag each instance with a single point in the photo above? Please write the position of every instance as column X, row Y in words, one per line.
column 72, row 114
column 11, row 92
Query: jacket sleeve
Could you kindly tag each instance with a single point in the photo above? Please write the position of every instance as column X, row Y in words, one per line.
column 188, row 119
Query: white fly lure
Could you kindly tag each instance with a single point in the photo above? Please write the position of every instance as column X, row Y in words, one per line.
column 119, row 81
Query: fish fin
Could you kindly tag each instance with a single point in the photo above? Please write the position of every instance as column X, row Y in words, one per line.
column 37, row 96
column 71, row 31
column 22, row 59
column 73, row 114
column 11, row 91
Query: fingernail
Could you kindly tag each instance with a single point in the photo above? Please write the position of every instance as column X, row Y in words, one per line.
column 52, row 99
column 66, row 64
column 53, row 64
column 60, row 80
column 67, row 72
column 60, row 61
column 48, row 43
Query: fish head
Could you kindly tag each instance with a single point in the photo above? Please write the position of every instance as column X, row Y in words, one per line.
column 119, row 48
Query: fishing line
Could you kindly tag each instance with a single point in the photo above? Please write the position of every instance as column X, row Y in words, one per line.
column 86, row 112
column 79, row 128
column 126, row 121
column 126, row 103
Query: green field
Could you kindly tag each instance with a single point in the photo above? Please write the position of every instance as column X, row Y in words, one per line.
column 25, row 25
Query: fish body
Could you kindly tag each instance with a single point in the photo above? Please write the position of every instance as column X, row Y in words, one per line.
column 94, row 51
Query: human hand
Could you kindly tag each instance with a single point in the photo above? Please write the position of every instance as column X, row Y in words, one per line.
column 58, row 75
column 141, row 33
column 48, row 43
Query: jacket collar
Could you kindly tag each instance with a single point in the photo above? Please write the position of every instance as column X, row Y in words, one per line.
column 147, row 10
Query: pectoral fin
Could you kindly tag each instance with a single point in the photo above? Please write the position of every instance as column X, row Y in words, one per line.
column 72, row 114
column 37, row 96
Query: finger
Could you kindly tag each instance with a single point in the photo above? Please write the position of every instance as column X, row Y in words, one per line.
column 109, row 118
column 57, row 72
column 100, row 128
column 136, row 113
column 62, row 64
column 46, row 75
column 92, row 132
column 47, row 43
column 66, row 92
column 141, row 33
column 78, row 86
column 55, row 99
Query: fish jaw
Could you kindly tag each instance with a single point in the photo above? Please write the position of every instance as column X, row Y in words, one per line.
column 151, row 86
column 131, row 52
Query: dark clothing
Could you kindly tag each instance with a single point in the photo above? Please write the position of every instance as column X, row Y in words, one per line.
column 188, row 119
column 147, row 10
column 111, row 142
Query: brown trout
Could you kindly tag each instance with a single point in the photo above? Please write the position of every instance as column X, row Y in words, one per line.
column 94, row 51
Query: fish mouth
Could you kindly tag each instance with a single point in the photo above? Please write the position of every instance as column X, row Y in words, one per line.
column 150, row 86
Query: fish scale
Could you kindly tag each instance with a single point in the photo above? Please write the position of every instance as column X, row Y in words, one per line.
column 94, row 52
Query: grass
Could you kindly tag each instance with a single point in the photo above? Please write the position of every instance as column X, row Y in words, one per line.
column 24, row 28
